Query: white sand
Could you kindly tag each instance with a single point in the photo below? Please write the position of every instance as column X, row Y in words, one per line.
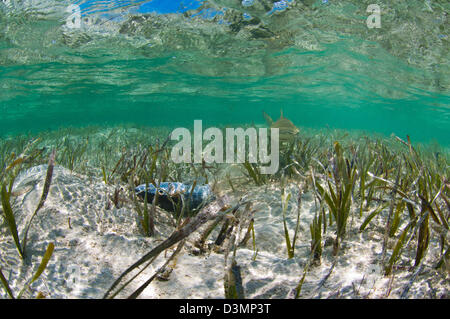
column 101, row 243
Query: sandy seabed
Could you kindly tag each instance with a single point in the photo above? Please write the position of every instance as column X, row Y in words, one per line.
column 95, row 241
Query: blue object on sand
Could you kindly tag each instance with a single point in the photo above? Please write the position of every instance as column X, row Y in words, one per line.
column 170, row 193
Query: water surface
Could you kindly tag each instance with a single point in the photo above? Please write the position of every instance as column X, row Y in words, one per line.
column 169, row 62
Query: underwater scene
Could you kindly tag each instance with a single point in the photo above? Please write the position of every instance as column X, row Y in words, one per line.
column 224, row 149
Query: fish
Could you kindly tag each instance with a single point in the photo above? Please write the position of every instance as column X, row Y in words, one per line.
column 173, row 194
column 287, row 130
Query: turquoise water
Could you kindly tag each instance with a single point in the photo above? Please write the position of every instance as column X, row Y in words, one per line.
column 319, row 62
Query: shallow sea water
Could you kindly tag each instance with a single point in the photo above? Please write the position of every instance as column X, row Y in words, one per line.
column 104, row 82
column 168, row 63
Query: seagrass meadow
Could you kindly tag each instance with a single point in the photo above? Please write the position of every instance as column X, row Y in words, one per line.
column 91, row 92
